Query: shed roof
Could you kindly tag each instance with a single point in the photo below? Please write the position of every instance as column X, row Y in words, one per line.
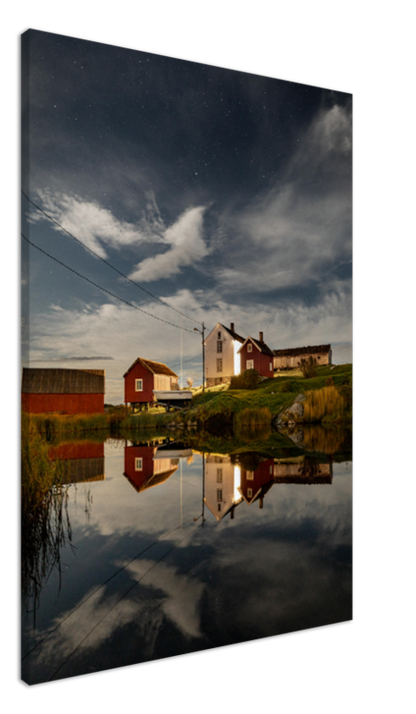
column 63, row 381
column 294, row 351
column 153, row 367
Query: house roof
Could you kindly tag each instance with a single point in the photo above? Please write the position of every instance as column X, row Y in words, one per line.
column 153, row 367
column 294, row 351
column 63, row 381
column 231, row 332
column 261, row 346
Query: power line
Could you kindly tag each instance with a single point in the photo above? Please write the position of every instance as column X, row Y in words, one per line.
column 186, row 360
column 103, row 259
column 104, row 289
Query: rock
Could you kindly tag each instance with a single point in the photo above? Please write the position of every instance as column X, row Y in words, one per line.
column 296, row 410
column 300, row 398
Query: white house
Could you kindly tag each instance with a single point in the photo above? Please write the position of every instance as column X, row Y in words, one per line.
column 222, row 360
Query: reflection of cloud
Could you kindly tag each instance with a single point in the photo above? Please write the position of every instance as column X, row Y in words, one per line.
column 182, row 595
column 83, row 631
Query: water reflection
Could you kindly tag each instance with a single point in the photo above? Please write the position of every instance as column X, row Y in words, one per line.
column 81, row 461
column 145, row 581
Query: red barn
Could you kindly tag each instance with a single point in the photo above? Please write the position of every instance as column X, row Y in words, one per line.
column 255, row 354
column 143, row 377
column 63, row 391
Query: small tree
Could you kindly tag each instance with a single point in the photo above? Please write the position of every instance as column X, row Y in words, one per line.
column 307, row 366
column 189, row 382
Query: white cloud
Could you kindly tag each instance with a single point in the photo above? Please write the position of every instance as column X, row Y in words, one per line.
column 97, row 226
column 187, row 248
column 125, row 334
column 301, row 226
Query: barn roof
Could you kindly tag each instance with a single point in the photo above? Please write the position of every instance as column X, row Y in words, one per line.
column 63, row 381
column 294, row 351
column 153, row 367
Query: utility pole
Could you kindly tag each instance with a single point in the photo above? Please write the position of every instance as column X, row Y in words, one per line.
column 203, row 354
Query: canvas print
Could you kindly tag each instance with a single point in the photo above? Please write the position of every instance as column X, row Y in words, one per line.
column 186, row 392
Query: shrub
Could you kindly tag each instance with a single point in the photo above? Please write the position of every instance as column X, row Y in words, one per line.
column 290, row 386
column 253, row 421
column 246, row 380
column 307, row 366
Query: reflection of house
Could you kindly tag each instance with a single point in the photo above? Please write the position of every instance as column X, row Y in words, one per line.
column 144, row 469
column 144, row 376
column 82, row 461
column 63, row 391
column 255, row 354
column 290, row 358
column 222, row 480
column 221, row 359
column 255, row 484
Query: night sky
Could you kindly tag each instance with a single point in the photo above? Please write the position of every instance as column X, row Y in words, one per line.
column 226, row 195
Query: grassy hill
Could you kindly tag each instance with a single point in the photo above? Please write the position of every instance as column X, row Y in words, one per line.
column 275, row 394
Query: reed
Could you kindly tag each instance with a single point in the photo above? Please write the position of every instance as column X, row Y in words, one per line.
column 58, row 426
column 325, row 404
column 45, row 526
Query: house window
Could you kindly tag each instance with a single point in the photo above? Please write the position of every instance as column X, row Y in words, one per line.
column 219, row 346
column 139, row 385
column 219, row 475
column 270, row 366
column 250, row 476
column 219, row 365
column 219, row 336
column 138, row 464
column 219, row 494
column 218, row 506
column 249, row 347
column 249, row 493
column 250, row 364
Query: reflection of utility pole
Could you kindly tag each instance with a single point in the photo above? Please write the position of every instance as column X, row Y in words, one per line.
column 203, row 354
column 203, row 492
column 203, row 488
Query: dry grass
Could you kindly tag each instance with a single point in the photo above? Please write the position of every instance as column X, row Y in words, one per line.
column 322, row 403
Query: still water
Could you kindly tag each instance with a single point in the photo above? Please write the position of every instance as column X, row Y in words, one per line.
column 161, row 548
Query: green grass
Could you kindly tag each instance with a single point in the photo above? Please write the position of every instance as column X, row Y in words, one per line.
column 275, row 394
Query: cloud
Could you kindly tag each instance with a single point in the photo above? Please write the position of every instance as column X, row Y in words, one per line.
column 187, row 247
column 96, row 226
column 297, row 230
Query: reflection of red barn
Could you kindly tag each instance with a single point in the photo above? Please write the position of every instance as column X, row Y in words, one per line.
column 63, row 391
column 255, row 484
column 143, row 470
column 81, row 461
column 255, row 354
column 142, row 377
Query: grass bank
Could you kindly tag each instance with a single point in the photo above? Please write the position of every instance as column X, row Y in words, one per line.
column 275, row 395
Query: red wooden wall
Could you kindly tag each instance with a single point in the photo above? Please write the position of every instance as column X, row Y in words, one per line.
column 261, row 361
column 130, row 394
column 63, row 403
